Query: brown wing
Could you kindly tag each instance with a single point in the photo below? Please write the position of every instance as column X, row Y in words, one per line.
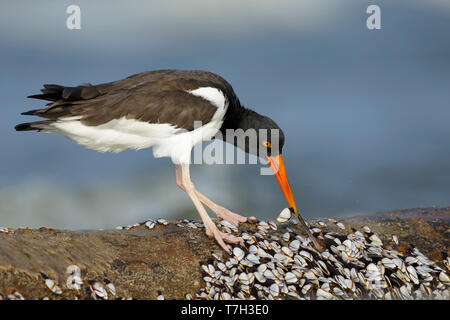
column 154, row 97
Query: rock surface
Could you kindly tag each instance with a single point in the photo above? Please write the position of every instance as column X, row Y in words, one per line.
column 143, row 263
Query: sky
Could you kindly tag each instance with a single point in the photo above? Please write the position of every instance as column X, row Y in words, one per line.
column 365, row 112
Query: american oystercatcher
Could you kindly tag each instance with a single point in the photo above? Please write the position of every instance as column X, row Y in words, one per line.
column 160, row 109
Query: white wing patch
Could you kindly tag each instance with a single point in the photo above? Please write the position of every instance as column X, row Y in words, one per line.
column 215, row 96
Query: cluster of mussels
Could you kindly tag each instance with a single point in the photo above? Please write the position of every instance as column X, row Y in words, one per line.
column 95, row 289
column 277, row 265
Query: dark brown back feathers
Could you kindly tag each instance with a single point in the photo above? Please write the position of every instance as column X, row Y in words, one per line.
column 154, row 96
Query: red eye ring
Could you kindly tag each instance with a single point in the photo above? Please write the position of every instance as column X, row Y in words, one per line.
column 267, row 144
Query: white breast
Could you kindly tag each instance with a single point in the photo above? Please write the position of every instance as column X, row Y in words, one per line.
column 167, row 140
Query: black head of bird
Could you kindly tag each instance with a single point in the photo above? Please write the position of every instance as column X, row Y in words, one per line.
column 256, row 134
column 261, row 136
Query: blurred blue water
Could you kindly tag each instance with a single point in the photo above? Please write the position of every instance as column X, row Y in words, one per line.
column 366, row 113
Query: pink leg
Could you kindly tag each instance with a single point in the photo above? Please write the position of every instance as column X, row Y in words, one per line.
column 185, row 183
column 220, row 211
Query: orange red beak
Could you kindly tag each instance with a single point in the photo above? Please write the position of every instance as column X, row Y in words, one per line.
column 277, row 165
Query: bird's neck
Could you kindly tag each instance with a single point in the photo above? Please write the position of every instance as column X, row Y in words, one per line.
column 239, row 117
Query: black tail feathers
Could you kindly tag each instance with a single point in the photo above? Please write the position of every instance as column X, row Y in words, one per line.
column 30, row 113
column 50, row 92
column 30, row 126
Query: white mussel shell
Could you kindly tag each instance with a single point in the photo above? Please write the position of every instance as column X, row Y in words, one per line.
column 354, row 275
column 268, row 274
column 376, row 240
column 300, row 261
column 400, row 264
column 388, row 263
column 150, row 224
column 272, row 225
column 366, row 229
column 222, row 267
column 323, row 267
column 310, row 275
column 443, row 277
column 395, row 239
column 229, row 225
column 264, row 225
column 412, row 274
column 111, row 288
column 338, row 291
column 259, row 277
column 205, row 268
column 281, row 258
column 246, row 263
column 99, row 291
column 322, row 294
column 340, row 225
column 262, row 267
column 274, row 290
column 305, row 254
column 306, row 288
column 345, row 257
column 211, row 269
column 243, row 278
column 262, row 253
column 411, row 260
column 284, row 216
column 52, row 286
column 225, row 296
column 294, row 245
column 163, row 222
column 326, row 255
column 447, row 262
column 405, row 292
column 253, row 258
column 290, row 277
column 238, row 253
column 287, row 251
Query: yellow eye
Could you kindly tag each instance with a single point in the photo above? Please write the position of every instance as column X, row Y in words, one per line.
column 267, row 144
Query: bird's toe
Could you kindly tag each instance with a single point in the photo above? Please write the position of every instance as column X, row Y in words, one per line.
column 230, row 216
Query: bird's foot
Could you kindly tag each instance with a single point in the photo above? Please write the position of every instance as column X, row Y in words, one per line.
column 229, row 216
column 221, row 238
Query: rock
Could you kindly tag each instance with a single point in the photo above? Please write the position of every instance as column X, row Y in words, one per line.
column 144, row 263
column 139, row 262
column 424, row 228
